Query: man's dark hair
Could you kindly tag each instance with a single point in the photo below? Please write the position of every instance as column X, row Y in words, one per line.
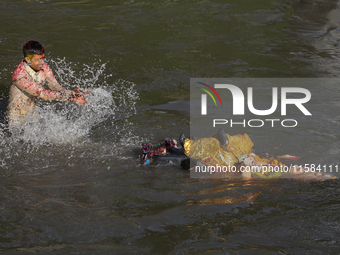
column 33, row 47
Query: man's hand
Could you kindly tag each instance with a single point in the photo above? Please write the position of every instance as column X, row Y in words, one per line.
column 80, row 92
column 78, row 98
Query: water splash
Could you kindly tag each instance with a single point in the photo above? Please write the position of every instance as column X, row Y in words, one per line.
column 79, row 74
column 66, row 124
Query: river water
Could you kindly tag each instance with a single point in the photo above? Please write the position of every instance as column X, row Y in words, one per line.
column 72, row 183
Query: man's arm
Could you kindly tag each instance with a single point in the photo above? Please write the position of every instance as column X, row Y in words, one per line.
column 52, row 83
column 32, row 88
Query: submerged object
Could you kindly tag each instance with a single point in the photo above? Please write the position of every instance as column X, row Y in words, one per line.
column 168, row 151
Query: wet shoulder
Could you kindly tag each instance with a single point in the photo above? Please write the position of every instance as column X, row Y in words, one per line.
column 19, row 72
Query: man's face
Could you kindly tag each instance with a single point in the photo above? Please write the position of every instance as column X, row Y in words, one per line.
column 35, row 62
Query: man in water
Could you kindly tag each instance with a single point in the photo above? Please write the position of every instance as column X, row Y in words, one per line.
column 28, row 82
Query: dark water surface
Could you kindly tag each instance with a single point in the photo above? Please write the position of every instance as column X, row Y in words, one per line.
column 73, row 183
